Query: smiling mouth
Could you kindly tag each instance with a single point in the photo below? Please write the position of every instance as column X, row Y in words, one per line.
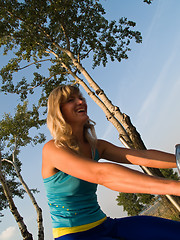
column 81, row 110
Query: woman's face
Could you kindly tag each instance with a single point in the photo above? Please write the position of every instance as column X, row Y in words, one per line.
column 75, row 110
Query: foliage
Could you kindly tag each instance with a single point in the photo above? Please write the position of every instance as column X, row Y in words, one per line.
column 17, row 128
column 40, row 32
column 15, row 133
column 132, row 203
column 44, row 31
column 170, row 174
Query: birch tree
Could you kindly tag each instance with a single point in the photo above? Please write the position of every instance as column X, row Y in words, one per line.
column 15, row 133
column 64, row 33
column 11, row 181
column 19, row 219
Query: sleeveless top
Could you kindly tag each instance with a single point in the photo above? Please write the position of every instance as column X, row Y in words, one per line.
column 73, row 203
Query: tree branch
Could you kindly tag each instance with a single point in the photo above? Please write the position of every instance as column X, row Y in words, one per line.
column 45, row 80
column 12, row 15
column 34, row 63
column 7, row 160
column 88, row 52
column 67, row 39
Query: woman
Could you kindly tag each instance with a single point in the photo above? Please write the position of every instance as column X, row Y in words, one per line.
column 71, row 172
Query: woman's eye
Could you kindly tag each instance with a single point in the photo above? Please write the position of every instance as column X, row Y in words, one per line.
column 82, row 99
column 70, row 99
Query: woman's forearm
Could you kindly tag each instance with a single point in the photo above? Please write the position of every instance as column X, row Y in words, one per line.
column 147, row 158
column 152, row 158
column 122, row 179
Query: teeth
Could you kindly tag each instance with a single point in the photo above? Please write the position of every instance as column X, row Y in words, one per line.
column 81, row 110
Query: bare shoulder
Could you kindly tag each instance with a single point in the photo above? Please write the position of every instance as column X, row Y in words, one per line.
column 50, row 148
column 48, row 145
column 48, row 151
column 47, row 148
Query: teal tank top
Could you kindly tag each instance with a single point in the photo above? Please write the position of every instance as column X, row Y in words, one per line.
column 72, row 201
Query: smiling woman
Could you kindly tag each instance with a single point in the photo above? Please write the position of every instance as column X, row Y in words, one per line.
column 71, row 172
column 67, row 107
column 75, row 109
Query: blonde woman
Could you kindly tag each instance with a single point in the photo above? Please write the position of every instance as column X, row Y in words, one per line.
column 71, row 172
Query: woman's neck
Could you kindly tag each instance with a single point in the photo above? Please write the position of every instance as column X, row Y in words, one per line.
column 84, row 147
column 78, row 132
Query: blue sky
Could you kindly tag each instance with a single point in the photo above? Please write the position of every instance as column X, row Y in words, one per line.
column 146, row 87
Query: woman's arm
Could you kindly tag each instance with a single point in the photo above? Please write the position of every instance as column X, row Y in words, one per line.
column 147, row 158
column 111, row 175
column 54, row 159
column 123, row 179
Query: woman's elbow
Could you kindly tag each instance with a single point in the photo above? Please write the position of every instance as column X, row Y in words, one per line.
column 102, row 173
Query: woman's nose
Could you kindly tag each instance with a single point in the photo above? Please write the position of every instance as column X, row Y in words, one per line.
column 79, row 100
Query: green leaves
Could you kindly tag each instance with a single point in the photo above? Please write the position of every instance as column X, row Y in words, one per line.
column 43, row 30
column 170, row 174
column 133, row 203
column 16, row 130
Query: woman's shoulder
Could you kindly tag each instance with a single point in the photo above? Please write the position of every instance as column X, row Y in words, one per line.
column 47, row 168
column 51, row 155
column 48, row 144
column 49, row 148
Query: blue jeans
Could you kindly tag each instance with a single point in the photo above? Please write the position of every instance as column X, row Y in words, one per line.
column 130, row 228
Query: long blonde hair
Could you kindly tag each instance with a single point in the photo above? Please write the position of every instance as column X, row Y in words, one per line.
column 60, row 130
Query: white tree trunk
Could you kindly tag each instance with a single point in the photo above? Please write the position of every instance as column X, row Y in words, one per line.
column 33, row 200
column 38, row 209
column 19, row 219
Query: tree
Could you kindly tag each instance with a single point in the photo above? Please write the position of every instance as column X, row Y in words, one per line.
column 7, row 193
column 131, row 203
column 15, row 133
column 65, row 33
column 11, row 181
